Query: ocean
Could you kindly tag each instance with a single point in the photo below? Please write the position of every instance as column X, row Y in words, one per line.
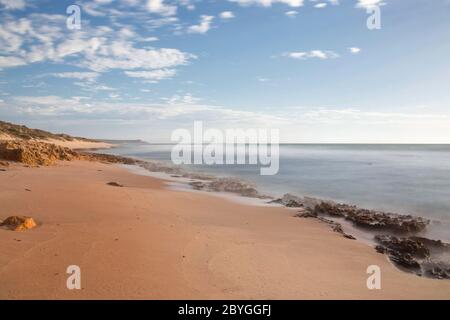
column 406, row 179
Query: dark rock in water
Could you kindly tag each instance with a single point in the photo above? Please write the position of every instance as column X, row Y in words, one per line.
column 197, row 185
column 306, row 213
column 410, row 246
column 336, row 227
column 373, row 219
column 277, row 201
column 292, row 201
column 330, row 209
column 435, row 246
column 439, row 270
column 293, row 204
column 231, row 185
column 415, row 254
column 114, row 184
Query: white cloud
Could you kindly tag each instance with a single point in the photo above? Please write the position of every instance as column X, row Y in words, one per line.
column 7, row 62
column 150, row 39
column 88, row 76
column 184, row 107
column 303, row 55
column 13, row 4
column 39, row 38
column 187, row 3
column 368, row 4
column 291, row 13
column 299, row 124
column 203, row 26
column 227, row 15
column 153, row 74
column 185, row 99
column 332, row 115
column 268, row 3
column 159, row 7
column 93, row 87
column 122, row 55
column 354, row 50
column 320, row 5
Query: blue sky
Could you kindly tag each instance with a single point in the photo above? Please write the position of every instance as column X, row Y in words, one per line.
column 142, row 68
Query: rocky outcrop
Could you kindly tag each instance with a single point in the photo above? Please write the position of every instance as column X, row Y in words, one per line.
column 106, row 158
column 373, row 219
column 34, row 153
column 18, row 223
column 335, row 226
column 416, row 254
column 231, row 185
column 402, row 251
column 292, row 201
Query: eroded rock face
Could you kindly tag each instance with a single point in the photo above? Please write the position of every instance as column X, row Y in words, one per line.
column 19, row 223
column 35, row 153
column 373, row 219
column 416, row 254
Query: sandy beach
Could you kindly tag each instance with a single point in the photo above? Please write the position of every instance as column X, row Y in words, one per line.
column 145, row 241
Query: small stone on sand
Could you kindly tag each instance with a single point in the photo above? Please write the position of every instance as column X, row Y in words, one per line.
column 19, row 223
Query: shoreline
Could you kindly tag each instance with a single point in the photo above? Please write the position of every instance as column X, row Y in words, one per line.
column 175, row 244
column 403, row 238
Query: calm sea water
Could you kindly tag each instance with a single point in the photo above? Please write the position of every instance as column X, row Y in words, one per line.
column 398, row 178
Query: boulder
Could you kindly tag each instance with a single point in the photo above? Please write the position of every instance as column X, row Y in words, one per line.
column 19, row 223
